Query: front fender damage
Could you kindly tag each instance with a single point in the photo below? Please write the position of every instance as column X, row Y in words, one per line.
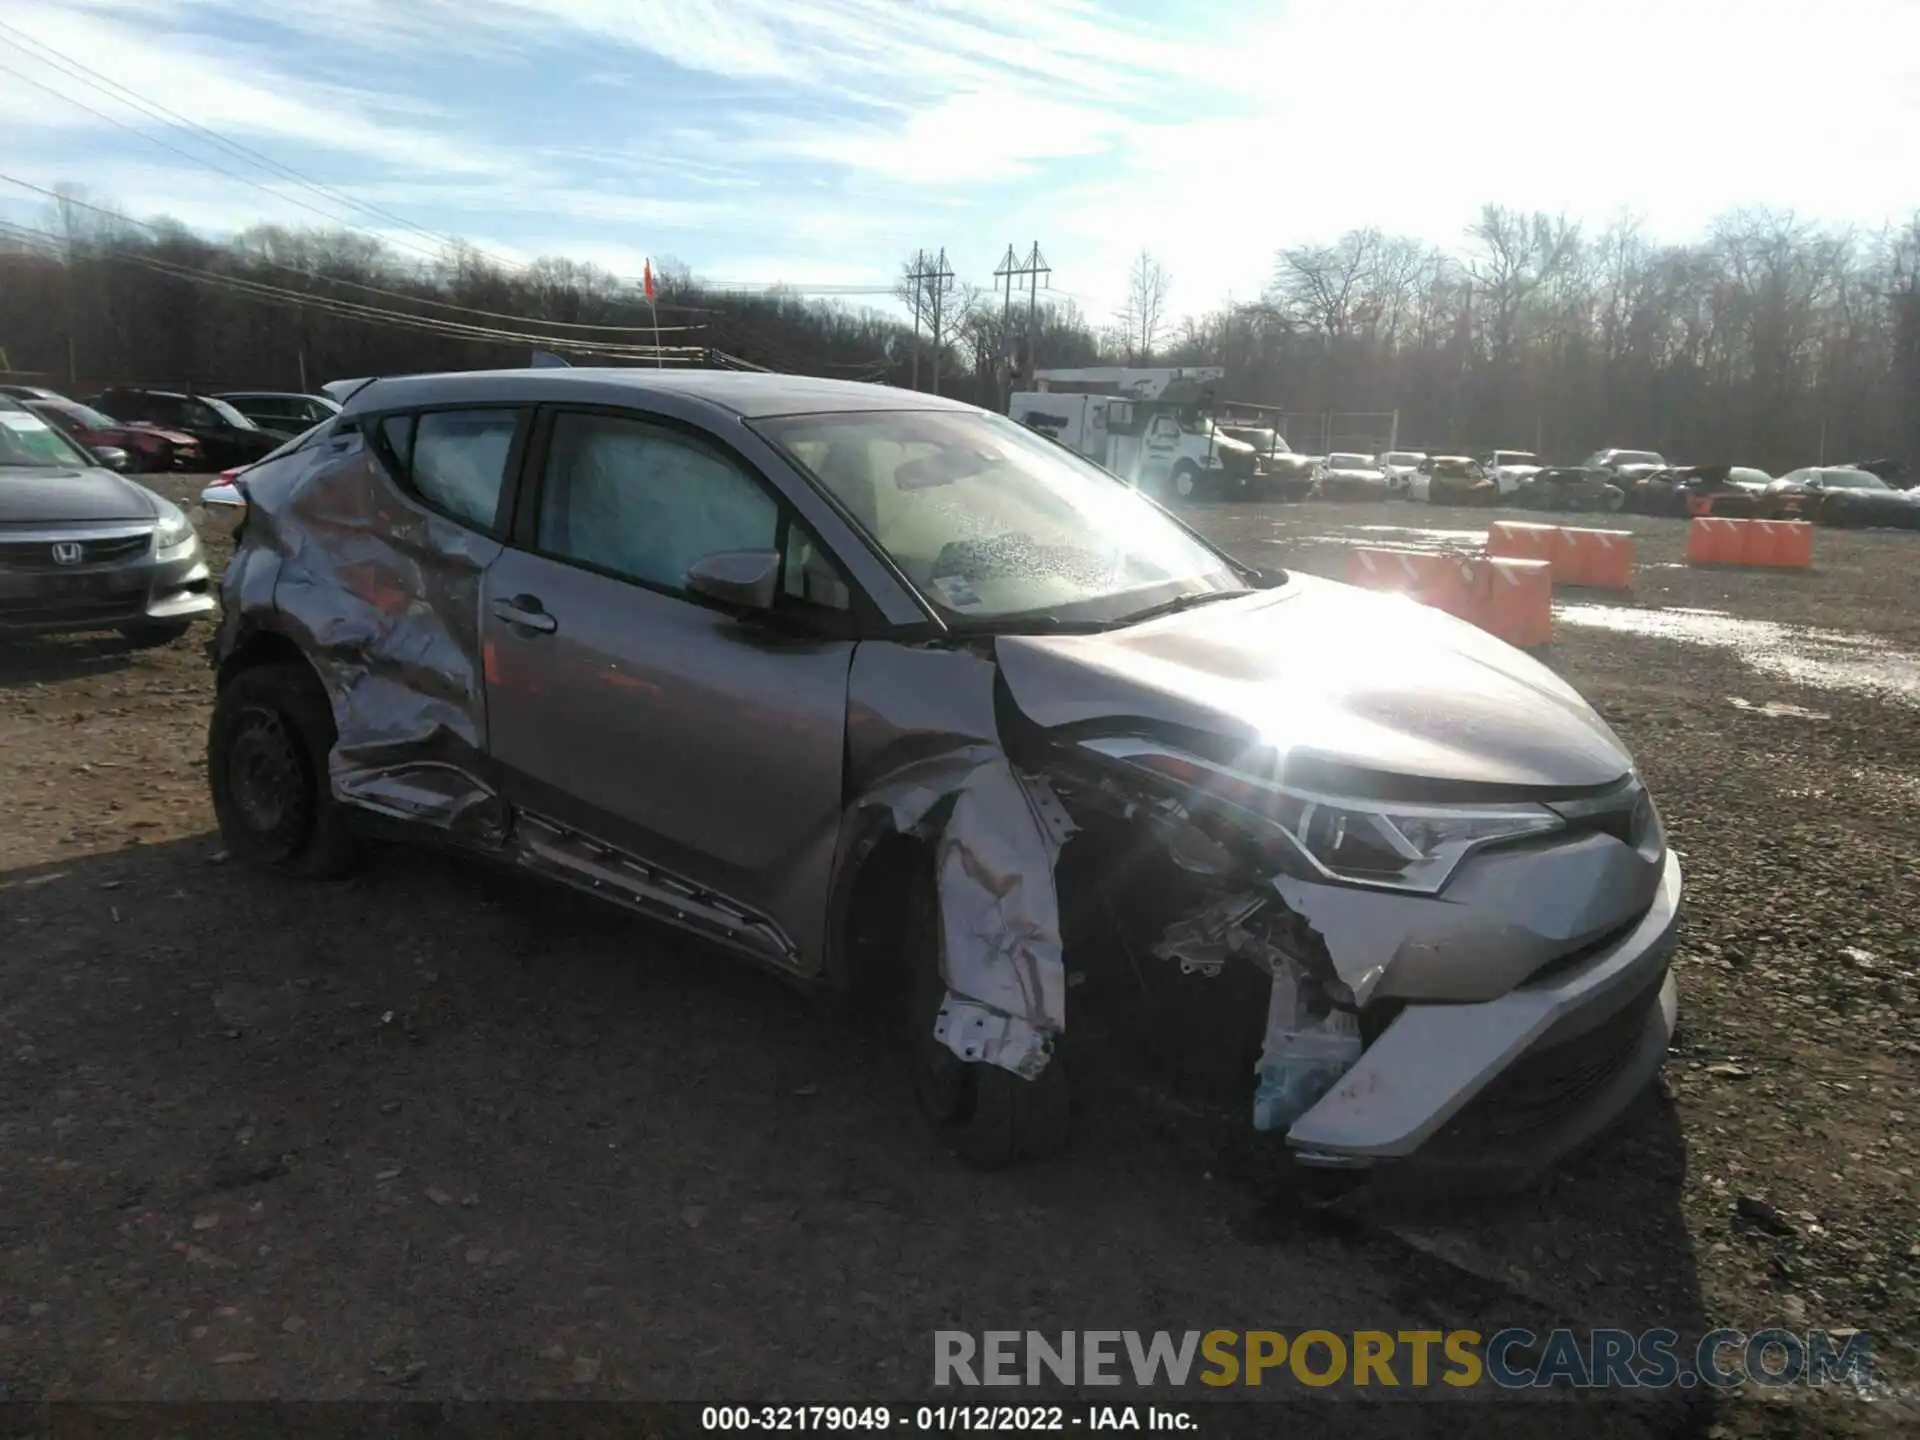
column 937, row 751
column 925, row 747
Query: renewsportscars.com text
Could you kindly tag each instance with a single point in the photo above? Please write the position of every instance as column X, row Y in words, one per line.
column 1512, row 1358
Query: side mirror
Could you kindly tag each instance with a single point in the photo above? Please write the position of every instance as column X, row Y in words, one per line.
column 745, row 579
column 222, row 508
column 111, row 456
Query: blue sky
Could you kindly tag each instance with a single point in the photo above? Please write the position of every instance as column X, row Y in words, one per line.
column 818, row 143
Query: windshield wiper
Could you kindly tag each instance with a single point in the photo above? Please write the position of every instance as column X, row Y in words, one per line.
column 1179, row 603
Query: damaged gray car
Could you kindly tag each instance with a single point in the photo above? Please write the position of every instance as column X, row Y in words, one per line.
column 884, row 692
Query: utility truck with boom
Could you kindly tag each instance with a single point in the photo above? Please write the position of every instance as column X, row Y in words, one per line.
column 1152, row 427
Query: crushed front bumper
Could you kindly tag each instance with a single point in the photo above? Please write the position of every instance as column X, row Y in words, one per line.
column 1522, row 1079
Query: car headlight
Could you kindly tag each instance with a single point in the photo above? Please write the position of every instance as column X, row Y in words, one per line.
column 174, row 530
column 1392, row 844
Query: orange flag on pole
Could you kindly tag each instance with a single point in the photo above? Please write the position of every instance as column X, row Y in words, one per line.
column 647, row 276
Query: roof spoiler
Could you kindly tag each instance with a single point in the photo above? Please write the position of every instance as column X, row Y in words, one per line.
column 547, row 360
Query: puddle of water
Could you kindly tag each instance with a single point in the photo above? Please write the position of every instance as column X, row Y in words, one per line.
column 1407, row 537
column 1824, row 659
column 1775, row 710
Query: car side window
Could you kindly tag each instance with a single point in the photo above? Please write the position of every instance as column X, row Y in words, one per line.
column 397, row 430
column 645, row 503
column 809, row 577
column 457, row 461
column 192, row 412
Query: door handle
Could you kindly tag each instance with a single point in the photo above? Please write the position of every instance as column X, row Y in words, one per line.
column 526, row 612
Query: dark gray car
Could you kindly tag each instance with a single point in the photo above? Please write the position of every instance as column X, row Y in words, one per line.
column 82, row 548
column 882, row 690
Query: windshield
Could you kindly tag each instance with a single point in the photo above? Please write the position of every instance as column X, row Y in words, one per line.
column 1515, row 457
column 73, row 412
column 1636, row 457
column 1402, row 457
column 990, row 521
column 226, row 412
column 1852, row 480
column 1351, row 462
column 26, row 439
column 1263, row 440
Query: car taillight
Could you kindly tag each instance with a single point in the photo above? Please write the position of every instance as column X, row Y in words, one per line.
column 227, row 476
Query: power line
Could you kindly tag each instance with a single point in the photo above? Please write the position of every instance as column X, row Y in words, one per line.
column 154, row 109
column 50, row 244
column 139, row 134
column 351, row 284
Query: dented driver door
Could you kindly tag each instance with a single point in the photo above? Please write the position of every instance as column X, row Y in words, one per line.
column 678, row 756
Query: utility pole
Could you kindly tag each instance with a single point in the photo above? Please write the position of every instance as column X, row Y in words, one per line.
column 1032, row 269
column 1029, row 269
column 918, row 277
column 932, row 279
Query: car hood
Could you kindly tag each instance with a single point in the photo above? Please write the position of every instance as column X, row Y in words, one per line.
column 1521, row 471
column 1326, row 674
column 1356, row 474
column 172, row 437
column 38, row 495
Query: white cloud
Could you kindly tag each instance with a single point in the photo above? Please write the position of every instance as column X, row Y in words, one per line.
column 970, row 138
column 234, row 90
column 829, row 137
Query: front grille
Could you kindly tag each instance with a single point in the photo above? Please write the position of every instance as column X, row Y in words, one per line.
column 39, row 554
column 40, row 610
column 1544, row 1086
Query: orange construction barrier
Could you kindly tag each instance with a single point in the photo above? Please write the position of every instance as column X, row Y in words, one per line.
column 1519, row 601
column 1780, row 544
column 1519, row 540
column 1446, row 582
column 1715, row 540
column 1598, row 559
column 1774, row 544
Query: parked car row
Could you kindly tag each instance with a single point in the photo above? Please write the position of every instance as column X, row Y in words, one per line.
column 144, row 430
column 84, row 549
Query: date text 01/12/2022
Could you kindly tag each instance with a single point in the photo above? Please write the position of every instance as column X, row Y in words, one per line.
column 944, row 1419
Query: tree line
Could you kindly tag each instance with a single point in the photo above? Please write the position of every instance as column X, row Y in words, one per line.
column 1769, row 340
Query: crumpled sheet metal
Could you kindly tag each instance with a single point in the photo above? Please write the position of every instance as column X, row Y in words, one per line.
column 388, row 598
column 1363, row 930
column 924, row 744
column 1000, row 946
column 1001, row 953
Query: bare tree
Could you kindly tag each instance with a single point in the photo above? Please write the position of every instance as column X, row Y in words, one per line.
column 1144, row 315
column 1769, row 340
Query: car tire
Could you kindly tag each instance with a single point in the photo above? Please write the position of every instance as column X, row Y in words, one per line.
column 152, row 634
column 1188, row 482
column 988, row 1117
column 267, row 749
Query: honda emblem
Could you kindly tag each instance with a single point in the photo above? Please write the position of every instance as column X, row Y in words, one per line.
column 67, row 552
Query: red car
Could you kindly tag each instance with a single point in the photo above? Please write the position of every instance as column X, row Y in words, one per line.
column 148, row 447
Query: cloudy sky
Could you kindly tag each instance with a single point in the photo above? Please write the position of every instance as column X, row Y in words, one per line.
column 818, row 141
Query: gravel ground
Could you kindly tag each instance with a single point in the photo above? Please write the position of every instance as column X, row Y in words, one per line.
column 438, row 1132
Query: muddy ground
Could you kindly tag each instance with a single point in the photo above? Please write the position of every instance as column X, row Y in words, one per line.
column 437, row 1132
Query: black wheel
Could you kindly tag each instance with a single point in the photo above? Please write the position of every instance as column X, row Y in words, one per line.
column 267, row 749
column 1189, row 481
column 987, row 1116
column 155, row 633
